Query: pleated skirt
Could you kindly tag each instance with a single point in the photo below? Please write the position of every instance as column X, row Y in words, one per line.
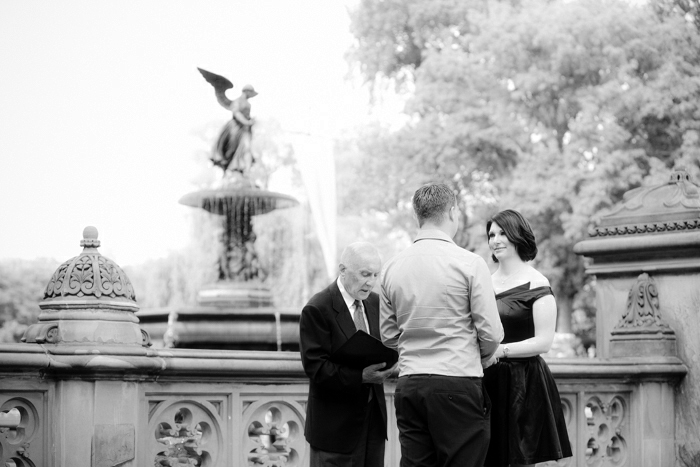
column 527, row 419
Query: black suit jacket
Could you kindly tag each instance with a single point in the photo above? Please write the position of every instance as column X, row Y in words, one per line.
column 337, row 402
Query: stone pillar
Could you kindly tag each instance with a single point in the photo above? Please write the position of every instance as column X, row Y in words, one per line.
column 88, row 319
column 645, row 255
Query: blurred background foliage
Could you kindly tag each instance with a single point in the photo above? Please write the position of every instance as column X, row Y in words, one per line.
column 553, row 108
column 22, row 283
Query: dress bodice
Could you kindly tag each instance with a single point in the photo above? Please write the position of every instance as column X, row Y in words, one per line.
column 515, row 308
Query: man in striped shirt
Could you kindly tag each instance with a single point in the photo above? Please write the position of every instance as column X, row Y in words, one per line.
column 438, row 309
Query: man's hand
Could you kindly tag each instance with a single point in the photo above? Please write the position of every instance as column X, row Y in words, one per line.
column 394, row 371
column 372, row 375
column 489, row 362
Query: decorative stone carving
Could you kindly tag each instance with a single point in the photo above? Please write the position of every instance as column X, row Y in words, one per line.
column 21, row 443
column 644, row 228
column 88, row 300
column 640, row 331
column 275, row 435
column 186, row 433
column 669, row 207
column 89, row 275
column 642, row 305
column 608, row 428
column 146, row 342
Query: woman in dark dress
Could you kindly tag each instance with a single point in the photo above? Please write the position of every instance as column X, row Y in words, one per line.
column 527, row 421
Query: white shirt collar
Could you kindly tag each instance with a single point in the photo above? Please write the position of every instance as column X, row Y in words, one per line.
column 349, row 301
column 434, row 234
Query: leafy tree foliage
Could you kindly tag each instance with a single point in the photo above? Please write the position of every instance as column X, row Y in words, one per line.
column 393, row 36
column 553, row 108
column 22, row 285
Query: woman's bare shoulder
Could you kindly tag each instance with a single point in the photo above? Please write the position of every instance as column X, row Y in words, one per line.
column 537, row 279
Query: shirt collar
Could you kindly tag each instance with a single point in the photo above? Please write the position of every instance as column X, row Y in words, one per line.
column 432, row 234
column 349, row 301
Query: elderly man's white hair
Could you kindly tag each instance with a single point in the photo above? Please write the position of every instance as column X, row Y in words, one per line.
column 355, row 253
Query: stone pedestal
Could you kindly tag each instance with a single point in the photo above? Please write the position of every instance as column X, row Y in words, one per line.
column 643, row 343
column 88, row 331
column 645, row 255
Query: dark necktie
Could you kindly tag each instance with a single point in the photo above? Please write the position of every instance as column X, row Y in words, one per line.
column 359, row 318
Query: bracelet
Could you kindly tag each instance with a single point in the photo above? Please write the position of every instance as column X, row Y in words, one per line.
column 506, row 351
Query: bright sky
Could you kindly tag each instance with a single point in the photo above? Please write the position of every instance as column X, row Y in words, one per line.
column 102, row 109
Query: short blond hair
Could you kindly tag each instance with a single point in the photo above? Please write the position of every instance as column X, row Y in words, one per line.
column 432, row 201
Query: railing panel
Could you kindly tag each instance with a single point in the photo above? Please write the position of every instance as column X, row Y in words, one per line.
column 228, row 425
column 192, row 425
column 275, row 433
column 24, row 430
column 191, row 421
column 234, row 409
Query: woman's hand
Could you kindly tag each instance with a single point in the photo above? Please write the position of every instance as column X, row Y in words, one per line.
column 501, row 352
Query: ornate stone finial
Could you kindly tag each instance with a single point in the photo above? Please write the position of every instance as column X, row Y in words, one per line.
column 88, row 300
column 90, row 238
column 90, row 275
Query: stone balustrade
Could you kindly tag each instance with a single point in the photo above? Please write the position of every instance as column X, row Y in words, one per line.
column 105, row 406
column 86, row 389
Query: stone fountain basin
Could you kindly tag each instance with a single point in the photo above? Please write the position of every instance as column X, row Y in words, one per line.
column 225, row 200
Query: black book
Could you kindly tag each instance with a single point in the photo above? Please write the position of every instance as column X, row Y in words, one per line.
column 363, row 350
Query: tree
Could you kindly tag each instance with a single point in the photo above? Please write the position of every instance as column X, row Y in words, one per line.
column 22, row 285
column 549, row 107
column 394, row 36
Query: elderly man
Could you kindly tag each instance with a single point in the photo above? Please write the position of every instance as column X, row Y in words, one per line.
column 346, row 410
column 438, row 308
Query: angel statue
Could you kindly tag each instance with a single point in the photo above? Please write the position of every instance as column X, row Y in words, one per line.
column 233, row 146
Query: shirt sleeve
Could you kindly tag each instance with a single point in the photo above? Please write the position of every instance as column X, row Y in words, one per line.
column 388, row 325
column 484, row 311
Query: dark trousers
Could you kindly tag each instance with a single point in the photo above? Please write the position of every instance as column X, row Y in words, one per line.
column 369, row 451
column 443, row 421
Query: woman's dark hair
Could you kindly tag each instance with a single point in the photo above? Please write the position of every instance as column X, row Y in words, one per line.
column 518, row 231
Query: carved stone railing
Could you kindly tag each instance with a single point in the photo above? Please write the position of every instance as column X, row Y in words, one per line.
column 230, row 409
column 86, row 389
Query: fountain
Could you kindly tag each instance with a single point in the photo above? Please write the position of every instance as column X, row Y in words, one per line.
column 236, row 312
column 239, row 269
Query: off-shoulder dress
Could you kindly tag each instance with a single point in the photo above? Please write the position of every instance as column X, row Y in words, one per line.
column 527, row 419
